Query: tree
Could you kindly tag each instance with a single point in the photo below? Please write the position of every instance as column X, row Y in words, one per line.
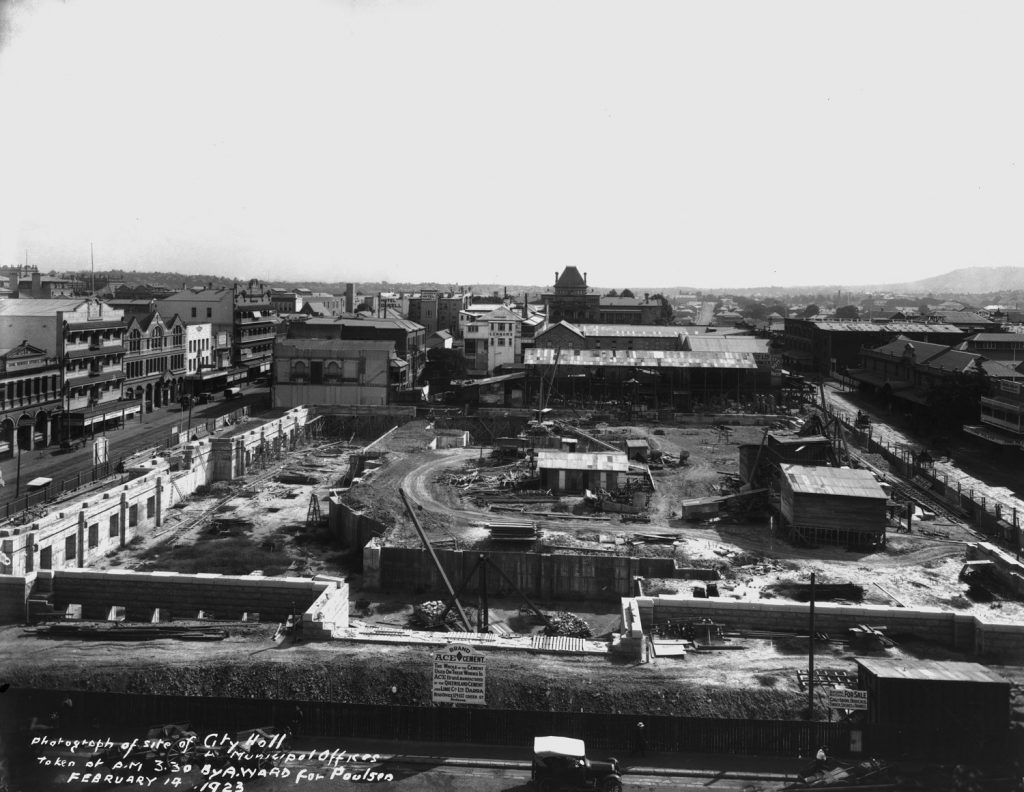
column 848, row 312
column 442, row 366
column 364, row 306
column 810, row 310
column 666, row 313
column 627, row 293
column 755, row 310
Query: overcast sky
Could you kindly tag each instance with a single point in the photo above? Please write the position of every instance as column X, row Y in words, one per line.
column 648, row 143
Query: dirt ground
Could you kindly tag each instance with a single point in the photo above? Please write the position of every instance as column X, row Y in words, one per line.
column 919, row 569
column 270, row 516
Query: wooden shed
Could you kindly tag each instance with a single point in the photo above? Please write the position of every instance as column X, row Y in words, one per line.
column 637, row 448
column 568, row 472
column 778, row 449
column 939, row 708
column 833, row 505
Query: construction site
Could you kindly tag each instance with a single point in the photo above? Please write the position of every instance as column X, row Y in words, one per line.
column 661, row 567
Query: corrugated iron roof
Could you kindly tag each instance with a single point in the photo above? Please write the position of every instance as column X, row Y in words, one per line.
column 655, row 358
column 889, row 327
column 29, row 307
column 930, row 670
column 628, row 330
column 728, row 343
column 847, row 482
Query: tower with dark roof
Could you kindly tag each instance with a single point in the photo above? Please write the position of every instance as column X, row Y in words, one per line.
column 572, row 300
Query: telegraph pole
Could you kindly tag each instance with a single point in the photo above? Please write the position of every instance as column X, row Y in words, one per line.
column 810, row 658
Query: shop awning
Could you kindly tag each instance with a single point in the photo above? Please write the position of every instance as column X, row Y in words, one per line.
column 104, row 412
column 89, row 381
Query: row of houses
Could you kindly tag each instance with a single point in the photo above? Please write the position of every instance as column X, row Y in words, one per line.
column 70, row 364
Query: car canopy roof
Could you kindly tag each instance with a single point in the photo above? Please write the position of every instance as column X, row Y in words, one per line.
column 559, row 746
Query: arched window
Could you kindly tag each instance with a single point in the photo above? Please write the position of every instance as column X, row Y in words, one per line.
column 300, row 372
column 157, row 338
column 333, row 371
column 179, row 336
column 134, row 341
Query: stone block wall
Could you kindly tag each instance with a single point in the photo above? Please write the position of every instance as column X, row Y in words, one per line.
column 960, row 631
column 181, row 596
column 13, row 594
column 1007, row 570
column 328, row 612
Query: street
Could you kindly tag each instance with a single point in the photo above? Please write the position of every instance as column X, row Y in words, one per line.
column 388, row 774
column 64, row 762
column 147, row 431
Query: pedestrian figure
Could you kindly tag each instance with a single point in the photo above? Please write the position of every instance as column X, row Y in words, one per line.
column 640, row 739
column 296, row 721
column 821, row 760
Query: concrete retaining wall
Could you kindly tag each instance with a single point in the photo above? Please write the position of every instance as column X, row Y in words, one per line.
column 183, row 596
column 77, row 532
column 542, row 575
column 13, row 593
column 351, row 528
column 449, row 439
column 959, row 631
column 1007, row 570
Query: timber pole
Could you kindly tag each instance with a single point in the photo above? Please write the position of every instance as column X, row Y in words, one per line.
column 810, row 658
column 437, row 562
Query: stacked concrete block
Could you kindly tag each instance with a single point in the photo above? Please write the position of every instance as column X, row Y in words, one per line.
column 179, row 596
column 14, row 591
column 329, row 612
column 963, row 632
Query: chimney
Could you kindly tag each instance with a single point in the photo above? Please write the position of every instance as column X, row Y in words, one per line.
column 584, row 279
column 526, row 306
column 556, row 277
column 350, row 297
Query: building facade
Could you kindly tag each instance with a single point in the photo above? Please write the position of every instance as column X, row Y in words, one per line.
column 491, row 340
column 30, row 398
column 332, row 371
column 573, row 301
column 154, row 360
column 244, row 312
column 408, row 340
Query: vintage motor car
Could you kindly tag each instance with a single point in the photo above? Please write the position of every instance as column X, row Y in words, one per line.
column 561, row 763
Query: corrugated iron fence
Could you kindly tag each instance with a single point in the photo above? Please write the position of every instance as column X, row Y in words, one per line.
column 602, row 732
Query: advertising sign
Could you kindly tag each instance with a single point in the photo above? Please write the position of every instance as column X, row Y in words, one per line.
column 839, row 698
column 459, row 675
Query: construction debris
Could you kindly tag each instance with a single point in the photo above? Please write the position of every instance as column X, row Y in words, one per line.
column 567, row 624
column 513, row 530
column 865, row 638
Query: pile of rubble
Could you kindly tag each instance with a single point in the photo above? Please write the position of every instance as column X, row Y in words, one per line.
column 490, row 481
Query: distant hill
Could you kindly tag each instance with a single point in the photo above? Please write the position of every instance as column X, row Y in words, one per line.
column 968, row 280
